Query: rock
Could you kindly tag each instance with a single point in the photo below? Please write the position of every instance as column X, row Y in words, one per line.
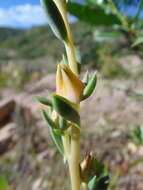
column 7, row 139
column 7, row 108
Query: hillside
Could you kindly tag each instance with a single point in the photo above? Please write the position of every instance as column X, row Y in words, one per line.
column 6, row 33
column 35, row 52
column 34, row 43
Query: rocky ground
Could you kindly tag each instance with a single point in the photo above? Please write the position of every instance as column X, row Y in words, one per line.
column 28, row 156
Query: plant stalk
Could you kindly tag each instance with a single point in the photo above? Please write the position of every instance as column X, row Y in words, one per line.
column 72, row 155
column 72, row 146
column 69, row 46
column 74, row 159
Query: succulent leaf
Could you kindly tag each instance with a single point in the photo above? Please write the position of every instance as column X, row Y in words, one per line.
column 65, row 108
column 90, row 87
column 57, row 140
column 55, row 19
column 44, row 101
column 62, row 123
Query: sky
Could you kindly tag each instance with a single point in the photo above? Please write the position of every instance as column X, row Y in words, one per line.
column 21, row 13
column 25, row 13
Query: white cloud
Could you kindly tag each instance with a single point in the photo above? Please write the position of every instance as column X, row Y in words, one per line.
column 22, row 16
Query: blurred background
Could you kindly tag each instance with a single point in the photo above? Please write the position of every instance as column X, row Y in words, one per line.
column 108, row 35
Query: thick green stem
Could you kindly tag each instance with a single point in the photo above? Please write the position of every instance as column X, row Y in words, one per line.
column 72, row 154
column 72, row 145
column 71, row 57
column 66, row 143
column 74, row 160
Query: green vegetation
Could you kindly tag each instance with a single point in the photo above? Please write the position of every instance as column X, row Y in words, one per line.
column 6, row 33
column 31, row 44
column 107, row 13
column 23, row 52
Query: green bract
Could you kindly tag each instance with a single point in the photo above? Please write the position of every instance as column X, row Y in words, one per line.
column 57, row 140
column 65, row 108
column 62, row 123
column 55, row 19
column 49, row 121
column 44, row 101
column 90, row 86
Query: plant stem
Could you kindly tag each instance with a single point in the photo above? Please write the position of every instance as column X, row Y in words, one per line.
column 66, row 143
column 71, row 57
column 74, row 159
column 72, row 154
column 69, row 46
column 72, row 146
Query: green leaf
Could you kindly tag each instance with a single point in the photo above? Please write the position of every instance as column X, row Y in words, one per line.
column 62, row 123
column 95, row 16
column 44, row 101
column 3, row 182
column 49, row 121
column 138, row 41
column 55, row 19
column 57, row 140
column 90, row 86
column 65, row 108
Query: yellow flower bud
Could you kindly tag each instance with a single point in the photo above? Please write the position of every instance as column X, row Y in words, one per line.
column 68, row 84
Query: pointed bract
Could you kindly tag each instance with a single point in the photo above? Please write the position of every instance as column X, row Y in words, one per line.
column 90, row 87
column 68, row 84
column 57, row 140
column 44, row 101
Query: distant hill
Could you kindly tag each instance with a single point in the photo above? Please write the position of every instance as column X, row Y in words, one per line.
column 34, row 43
column 6, row 33
column 40, row 42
